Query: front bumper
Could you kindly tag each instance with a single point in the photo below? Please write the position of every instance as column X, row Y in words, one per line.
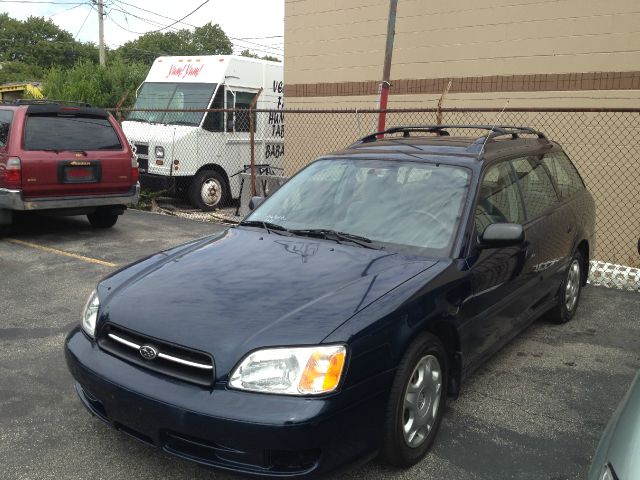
column 242, row 432
column 13, row 200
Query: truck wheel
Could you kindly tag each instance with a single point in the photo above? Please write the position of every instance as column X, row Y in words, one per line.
column 103, row 218
column 209, row 190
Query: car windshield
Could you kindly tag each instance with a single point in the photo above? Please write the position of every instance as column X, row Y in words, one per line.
column 395, row 204
column 172, row 96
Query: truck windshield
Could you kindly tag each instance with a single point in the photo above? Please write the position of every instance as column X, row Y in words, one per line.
column 172, row 96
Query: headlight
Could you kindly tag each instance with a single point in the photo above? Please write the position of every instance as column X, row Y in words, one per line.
column 159, row 152
column 291, row 371
column 607, row 473
column 90, row 314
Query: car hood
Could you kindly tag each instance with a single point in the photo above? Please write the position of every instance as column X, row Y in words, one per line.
column 624, row 443
column 620, row 442
column 245, row 289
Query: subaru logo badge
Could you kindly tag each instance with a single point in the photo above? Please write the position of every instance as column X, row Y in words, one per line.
column 148, row 352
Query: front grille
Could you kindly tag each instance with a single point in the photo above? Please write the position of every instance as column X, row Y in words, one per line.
column 143, row 165
column 162, row 357
column 142, row 150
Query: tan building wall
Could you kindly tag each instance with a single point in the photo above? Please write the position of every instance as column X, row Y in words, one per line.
column 547, row 53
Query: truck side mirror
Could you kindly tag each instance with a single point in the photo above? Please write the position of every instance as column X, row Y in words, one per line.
column 255, row 202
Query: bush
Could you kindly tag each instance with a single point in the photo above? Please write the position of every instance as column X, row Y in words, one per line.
column 99, row 86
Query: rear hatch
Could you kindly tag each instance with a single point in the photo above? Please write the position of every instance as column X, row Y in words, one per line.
column 73, row 151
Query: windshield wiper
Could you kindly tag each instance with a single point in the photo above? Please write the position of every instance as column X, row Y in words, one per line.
column 268, row 226
column 337, row 236
column 137, row 120
column 181, row 122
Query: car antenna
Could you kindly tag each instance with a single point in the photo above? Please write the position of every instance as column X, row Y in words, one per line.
column 491, row 131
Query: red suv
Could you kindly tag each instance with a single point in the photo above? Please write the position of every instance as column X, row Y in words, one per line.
column 65, row 160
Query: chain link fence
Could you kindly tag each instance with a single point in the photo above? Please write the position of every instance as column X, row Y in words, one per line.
column 206, row 164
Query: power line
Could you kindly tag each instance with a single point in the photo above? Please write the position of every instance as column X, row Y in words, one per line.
column 67, row 9
column 121, row 2
column 262, row 38
column 85, row 21
column 187, row 15
column 125, row 13
column 275, row 50
column 50, row 3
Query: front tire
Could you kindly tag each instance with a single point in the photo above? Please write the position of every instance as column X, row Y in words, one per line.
column 569, row 295
column 209, row 190
column 416, row 403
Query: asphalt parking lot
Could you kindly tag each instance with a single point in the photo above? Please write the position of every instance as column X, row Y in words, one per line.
column 535, row 411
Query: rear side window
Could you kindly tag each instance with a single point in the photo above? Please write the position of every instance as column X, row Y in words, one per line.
column 499, row 199
column 5, row 122
column 537, row 190
column 564, row 174
column 53, row 132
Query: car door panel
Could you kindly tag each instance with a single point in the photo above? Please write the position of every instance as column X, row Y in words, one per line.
column 491, row 312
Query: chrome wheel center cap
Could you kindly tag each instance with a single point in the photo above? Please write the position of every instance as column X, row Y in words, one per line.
column 422, row 400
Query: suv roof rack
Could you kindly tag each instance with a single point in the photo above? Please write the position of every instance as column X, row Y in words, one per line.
column 442, row 130
column 46, row 101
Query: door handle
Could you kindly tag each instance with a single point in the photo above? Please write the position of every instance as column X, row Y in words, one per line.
column 569, row 228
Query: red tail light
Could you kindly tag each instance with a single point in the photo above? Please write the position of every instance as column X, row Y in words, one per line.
column 13, row 173
column 135, row 173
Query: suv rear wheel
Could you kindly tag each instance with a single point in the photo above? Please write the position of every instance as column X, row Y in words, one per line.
column 209, row 190
column 103, row 218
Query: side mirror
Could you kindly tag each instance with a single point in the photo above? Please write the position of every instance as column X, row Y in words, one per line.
column 502, row 235
column 255, row 202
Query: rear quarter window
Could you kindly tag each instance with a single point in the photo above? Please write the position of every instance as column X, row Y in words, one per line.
column 537, row 189
column 564, row 174
column 56, row 132
column 6, row 116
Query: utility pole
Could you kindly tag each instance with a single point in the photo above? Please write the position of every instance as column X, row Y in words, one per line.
column 386, row 71
column 101, row 32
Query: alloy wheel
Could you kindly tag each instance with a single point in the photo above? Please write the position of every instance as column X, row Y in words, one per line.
column 572, row 288
column 421, row 401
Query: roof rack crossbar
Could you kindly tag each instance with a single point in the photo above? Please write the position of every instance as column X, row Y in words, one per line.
column 46, row 101
column 442, row 130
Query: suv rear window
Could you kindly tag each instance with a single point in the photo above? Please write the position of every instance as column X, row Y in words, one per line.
column 5, row 122
column 66, row 132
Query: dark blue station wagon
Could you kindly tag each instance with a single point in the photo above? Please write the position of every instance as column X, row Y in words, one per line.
column 332, row 324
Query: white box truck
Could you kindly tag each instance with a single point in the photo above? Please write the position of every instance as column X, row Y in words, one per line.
column 202, row 154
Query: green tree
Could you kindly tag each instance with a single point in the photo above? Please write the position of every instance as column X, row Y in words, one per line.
column 102, row 87
column 37, row 44
column 20, row 72
column 248, row 53
column 206, row 40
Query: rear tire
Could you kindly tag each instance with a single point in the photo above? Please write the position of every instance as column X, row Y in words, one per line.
column 416, row 403
column 102, row 218
column 209, row 190
column 569, row 295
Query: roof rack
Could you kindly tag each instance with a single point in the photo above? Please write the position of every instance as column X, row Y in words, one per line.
column 442, row 130
column 45, row 101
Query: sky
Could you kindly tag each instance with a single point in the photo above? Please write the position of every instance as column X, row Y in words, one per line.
column 247, row 22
